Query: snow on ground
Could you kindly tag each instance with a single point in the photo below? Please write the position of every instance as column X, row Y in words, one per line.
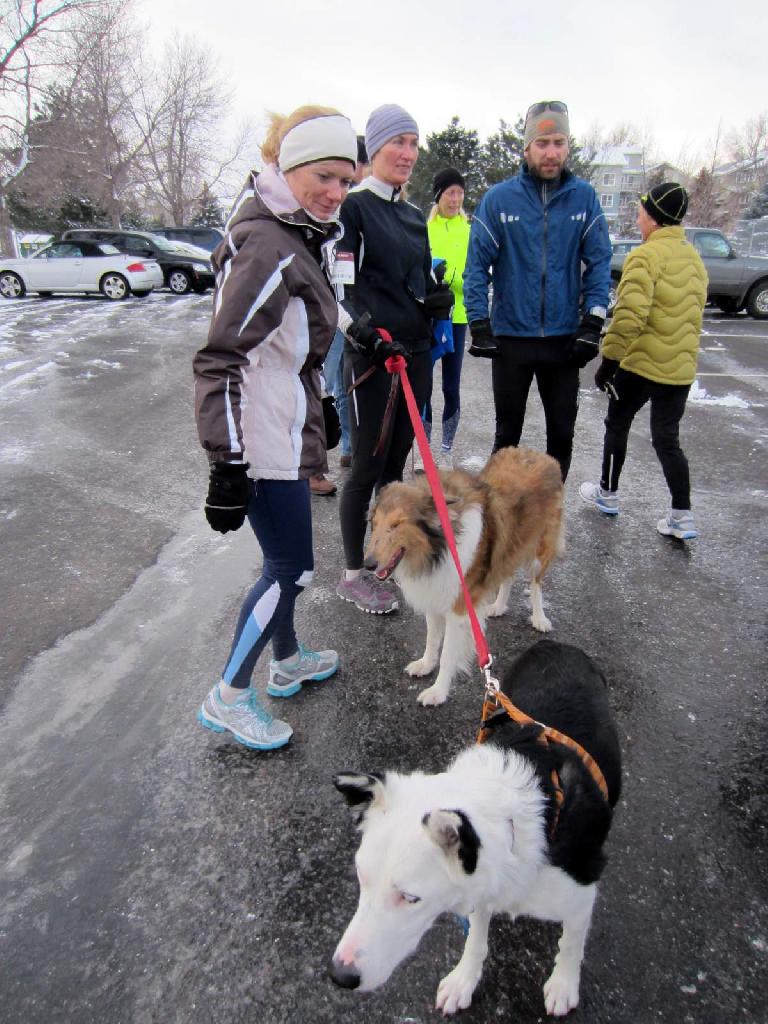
column 699, row 395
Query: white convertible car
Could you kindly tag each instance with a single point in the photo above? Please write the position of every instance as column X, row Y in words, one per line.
column 79, row 267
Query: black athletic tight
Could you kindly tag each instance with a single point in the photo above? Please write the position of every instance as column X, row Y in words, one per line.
column 368, row 473
column 558, row 386
column 667, row 408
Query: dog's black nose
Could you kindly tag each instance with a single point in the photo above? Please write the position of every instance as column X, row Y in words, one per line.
column 343, row 975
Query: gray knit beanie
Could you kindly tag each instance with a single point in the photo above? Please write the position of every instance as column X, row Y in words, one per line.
column 543, row 119
column 384, row 124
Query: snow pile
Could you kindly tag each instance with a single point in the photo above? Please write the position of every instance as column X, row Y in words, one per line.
column 699, row 394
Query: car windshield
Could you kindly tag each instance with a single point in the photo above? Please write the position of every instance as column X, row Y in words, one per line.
column 163, row 243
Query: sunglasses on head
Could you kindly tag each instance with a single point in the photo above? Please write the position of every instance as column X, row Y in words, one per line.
column 538, row 108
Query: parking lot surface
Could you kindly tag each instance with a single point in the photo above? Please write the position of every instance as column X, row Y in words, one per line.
column 152, row 872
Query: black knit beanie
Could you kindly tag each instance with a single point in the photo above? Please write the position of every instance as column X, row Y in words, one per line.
column 666, row 203
column 445, row 179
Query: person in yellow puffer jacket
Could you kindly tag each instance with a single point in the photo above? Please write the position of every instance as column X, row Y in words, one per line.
column 448, row 229
column 650, row 351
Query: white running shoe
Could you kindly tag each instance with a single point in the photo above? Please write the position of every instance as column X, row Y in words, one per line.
column 678, row 525
column 286, row 677
column 606, row 501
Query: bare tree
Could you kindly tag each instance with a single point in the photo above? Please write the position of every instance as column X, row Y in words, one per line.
column 182, row 121
column 107, row 49
column 749, row 148
column 751, row 141
column 31, row 55
column 705, row 206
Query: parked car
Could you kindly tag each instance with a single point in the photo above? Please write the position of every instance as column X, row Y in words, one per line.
column 79, row 266
column 620, row 249
column 735, row 282
column 185, row 267
column 205, row 238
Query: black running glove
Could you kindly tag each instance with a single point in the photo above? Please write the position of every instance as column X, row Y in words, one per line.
column 439, row 303
column 483, row 341
column 586, row 343
column 604, row 376
column 227, row 500
column 369, row 340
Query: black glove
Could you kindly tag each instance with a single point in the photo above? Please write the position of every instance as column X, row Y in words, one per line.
column 439, row 270
column 586, row 343
column 604, row 376
column 483, row 341
column 368, row 340
column 439, row 303
column 227, row 500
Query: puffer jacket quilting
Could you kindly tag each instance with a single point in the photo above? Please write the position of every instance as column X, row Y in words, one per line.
column 657, row 319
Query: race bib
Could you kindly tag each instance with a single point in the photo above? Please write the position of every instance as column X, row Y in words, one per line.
column 343, row 268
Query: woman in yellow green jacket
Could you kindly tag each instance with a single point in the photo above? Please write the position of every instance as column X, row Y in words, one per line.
column 448, row 229
column 650, row 351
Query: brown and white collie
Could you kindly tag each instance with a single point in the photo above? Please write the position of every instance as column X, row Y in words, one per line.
column 507, row 517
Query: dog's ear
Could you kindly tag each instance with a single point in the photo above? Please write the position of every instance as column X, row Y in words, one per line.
column 361, row 791
column 454, row 833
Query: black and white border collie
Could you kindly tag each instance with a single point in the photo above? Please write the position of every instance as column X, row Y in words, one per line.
column 486, row 836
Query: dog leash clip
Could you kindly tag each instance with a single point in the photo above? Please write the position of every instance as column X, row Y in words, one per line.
column 491, row 682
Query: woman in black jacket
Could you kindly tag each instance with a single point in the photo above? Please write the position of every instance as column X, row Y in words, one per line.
column 384, row 264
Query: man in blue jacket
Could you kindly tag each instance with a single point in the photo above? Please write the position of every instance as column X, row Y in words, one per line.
column 542, row 239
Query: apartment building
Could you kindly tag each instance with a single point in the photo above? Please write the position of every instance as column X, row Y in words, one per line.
column 619, row 179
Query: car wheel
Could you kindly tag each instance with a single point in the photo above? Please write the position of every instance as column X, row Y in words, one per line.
column 114, row 287
column 142, row 294
column 757, row 301
column 179, row 282
column 11, row 286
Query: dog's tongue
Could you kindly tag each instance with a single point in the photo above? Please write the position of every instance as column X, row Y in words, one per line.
column 383, row 572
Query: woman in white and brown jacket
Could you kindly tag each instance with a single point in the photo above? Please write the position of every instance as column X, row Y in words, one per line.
column 258, row 399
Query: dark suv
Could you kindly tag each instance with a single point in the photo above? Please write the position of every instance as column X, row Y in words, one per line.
column 205, row 238
column 185, row 267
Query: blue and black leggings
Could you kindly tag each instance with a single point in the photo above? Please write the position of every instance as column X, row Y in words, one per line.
column 280, row 513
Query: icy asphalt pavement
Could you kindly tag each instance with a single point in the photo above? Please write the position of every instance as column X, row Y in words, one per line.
column 152, row 872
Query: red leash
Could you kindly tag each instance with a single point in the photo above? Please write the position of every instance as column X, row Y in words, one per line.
column 494, row 697
column 396, row 364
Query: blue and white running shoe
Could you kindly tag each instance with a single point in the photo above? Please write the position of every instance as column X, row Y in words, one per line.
column 606, row 501
column 250, row 723
column 286, row 677
column 678, row 525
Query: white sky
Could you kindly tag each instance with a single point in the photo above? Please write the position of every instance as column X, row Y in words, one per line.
column 675, row 69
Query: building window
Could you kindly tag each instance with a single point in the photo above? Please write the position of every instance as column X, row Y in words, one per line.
column 627, row 180
column 606, row 201
column 609, row 179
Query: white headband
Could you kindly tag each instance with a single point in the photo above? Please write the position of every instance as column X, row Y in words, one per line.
column 328, row 137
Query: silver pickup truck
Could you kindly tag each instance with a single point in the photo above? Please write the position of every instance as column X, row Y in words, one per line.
column 735, row 282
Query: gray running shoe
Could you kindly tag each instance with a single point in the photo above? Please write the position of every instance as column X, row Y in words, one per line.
column 678, row 525
column 369, row 594
column 606, row 501
column 284, row 681
column 246, row 719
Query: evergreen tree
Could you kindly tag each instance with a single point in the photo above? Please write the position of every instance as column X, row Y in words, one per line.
column 454, row 146
column 209, row 213
column 759, row 205
column 578, row 164
column 502, row 153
